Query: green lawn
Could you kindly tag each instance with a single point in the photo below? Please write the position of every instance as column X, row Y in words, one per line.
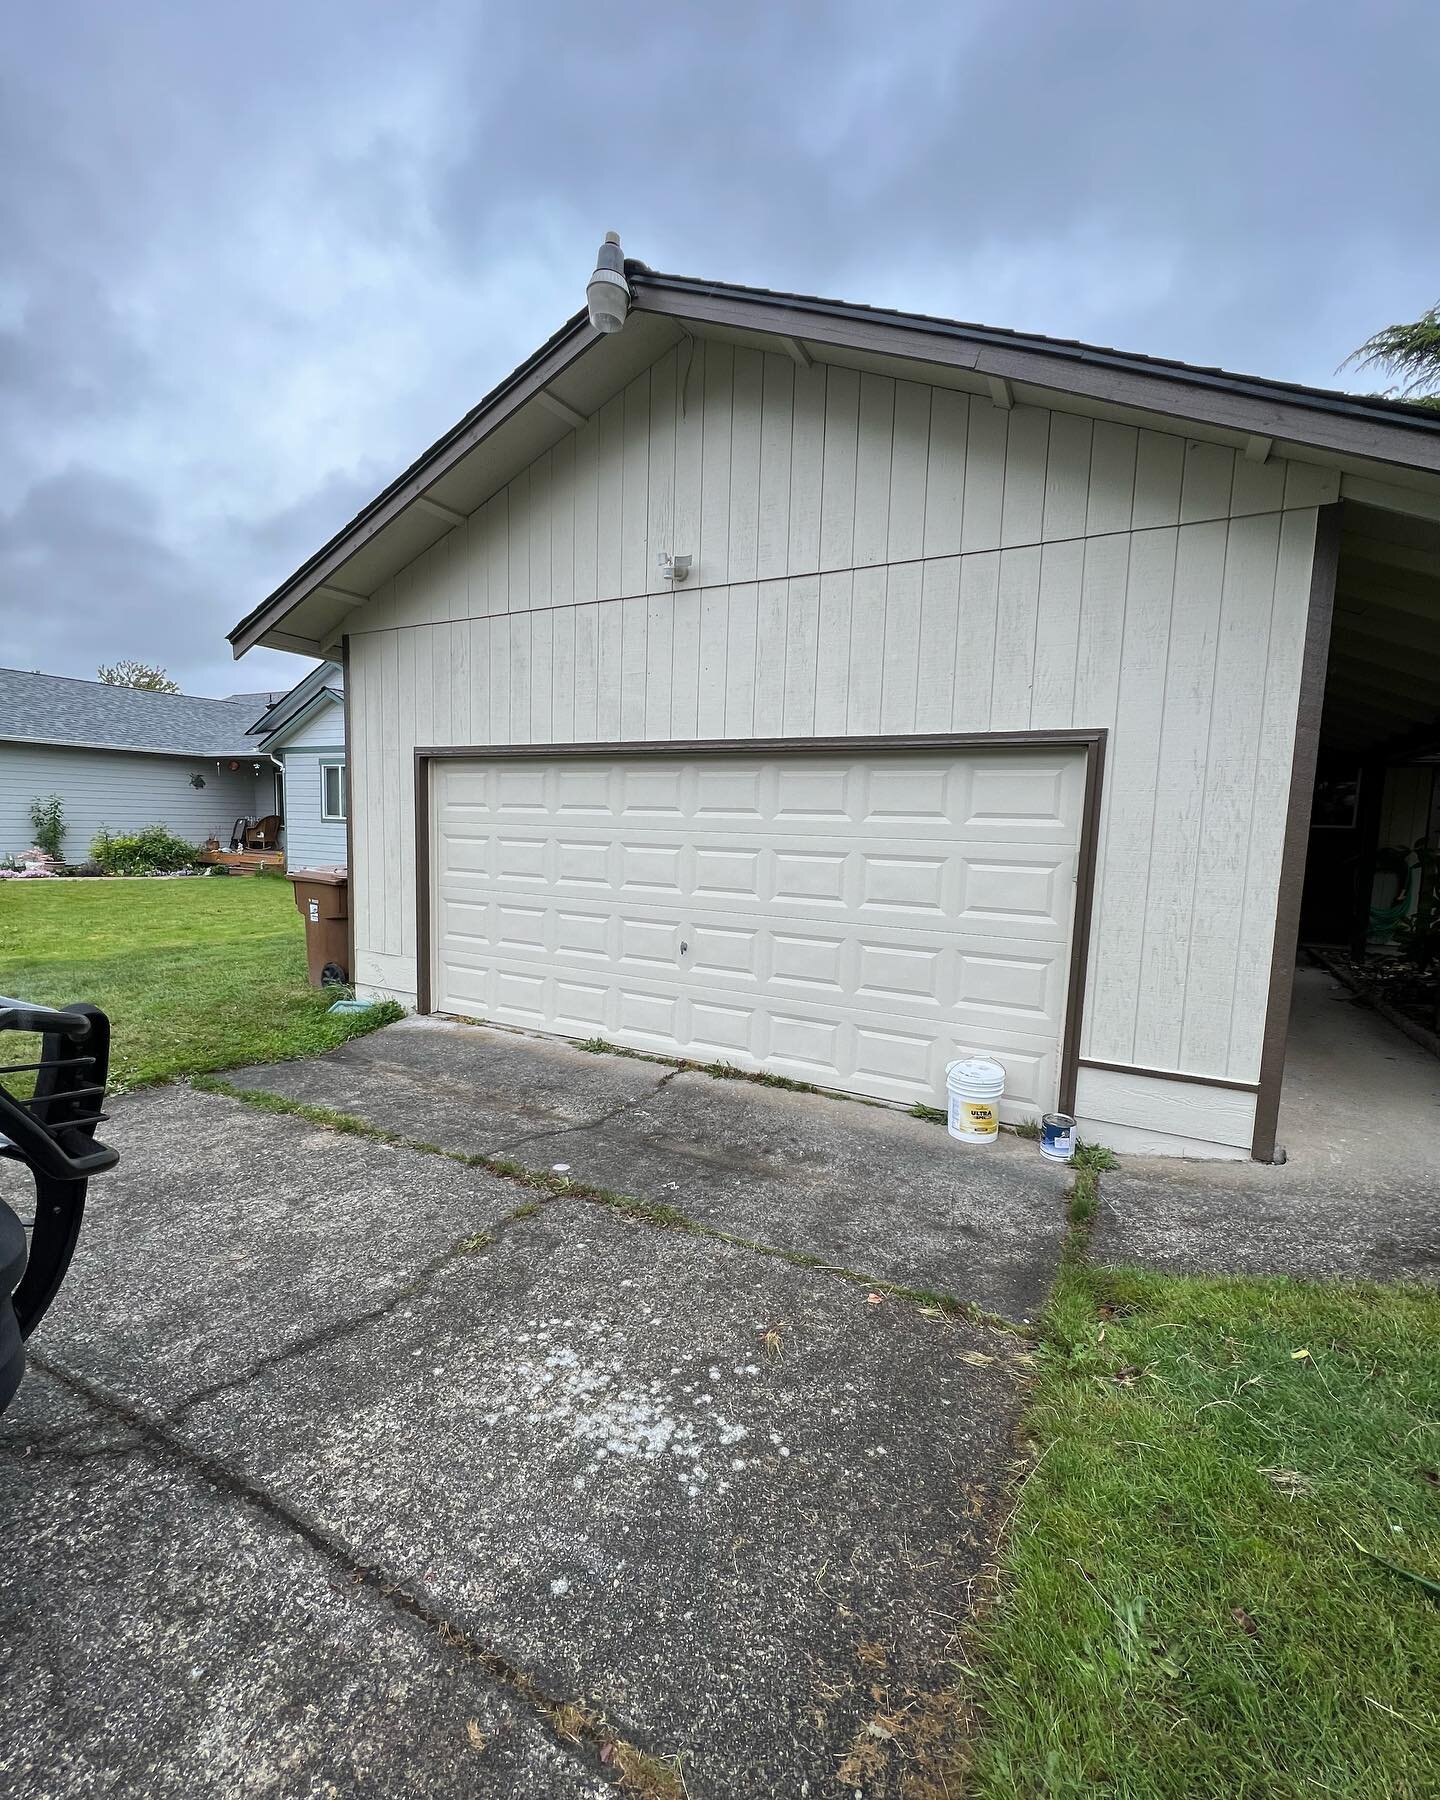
column 1188, row 1606
column 196, row 974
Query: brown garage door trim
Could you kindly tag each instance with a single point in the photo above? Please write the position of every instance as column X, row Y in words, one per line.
column 1091, row 742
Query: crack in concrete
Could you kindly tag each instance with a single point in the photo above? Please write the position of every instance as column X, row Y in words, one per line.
column 338, row 1330
column 546, row 1185
column 322, row 1338
column 55, row 1451
column 605, row 1118
column 582, row 1730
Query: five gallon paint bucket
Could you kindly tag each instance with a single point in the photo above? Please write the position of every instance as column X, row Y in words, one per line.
column 1057, row 1136
column 975, row 1086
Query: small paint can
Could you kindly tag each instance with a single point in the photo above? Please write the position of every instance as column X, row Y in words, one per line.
column 1057, row 1136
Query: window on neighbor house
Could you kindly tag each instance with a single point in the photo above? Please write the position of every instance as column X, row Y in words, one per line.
column 333, row 791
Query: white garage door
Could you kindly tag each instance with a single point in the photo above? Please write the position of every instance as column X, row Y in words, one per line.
column 854, row 921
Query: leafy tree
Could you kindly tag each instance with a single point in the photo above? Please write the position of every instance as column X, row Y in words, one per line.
column 47, row 821
column 1411, row 353
column 132, row 674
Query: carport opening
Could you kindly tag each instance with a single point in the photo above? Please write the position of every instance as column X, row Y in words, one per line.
column 1370, row 911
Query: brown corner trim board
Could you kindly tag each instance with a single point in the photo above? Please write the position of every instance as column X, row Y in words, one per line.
column 1314, row 663
column 1092, row 742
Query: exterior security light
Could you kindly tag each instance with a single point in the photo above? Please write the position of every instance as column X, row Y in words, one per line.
column 608, row 294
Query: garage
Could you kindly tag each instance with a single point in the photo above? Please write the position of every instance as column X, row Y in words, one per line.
column 733, row 682
column 853, row 916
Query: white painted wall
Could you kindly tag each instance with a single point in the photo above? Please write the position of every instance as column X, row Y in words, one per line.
column 883, row 556
column 123, row 791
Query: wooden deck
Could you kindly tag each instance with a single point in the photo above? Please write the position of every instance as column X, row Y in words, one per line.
column 244, row 862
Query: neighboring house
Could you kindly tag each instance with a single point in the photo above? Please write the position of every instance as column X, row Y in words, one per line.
column 123, row 758
column 985, row 718
column 305, row 730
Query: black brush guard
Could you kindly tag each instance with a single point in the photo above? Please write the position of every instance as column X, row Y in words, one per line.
column 53, row 1135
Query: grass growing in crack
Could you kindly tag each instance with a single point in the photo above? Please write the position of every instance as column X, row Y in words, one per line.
column 937, row 1115
column 547, row 1181
column 764, row 1078
column 719, row 1071
column 652, row 1212
column 657, row 1213
column 1084, row 1199
column 1094, row 1156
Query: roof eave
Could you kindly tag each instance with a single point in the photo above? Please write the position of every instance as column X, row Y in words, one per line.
column 280, row 712
column 239, row 753
column 325, row 697
column 1380, row 431
column 573, row 339
column 1329, row 424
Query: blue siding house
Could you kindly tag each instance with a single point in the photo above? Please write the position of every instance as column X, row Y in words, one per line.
column 305, row 731
column 123, row 758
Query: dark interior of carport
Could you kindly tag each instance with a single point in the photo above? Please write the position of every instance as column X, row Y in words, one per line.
column 1371, row 870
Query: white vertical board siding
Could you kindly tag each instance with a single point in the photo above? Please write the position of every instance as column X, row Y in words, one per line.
column 879, row 556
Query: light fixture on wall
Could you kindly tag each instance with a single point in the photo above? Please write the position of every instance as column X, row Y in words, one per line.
column 674, row 568
column 197, row 781
column 607, row 297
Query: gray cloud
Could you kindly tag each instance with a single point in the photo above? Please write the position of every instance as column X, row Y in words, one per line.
column 254, row 259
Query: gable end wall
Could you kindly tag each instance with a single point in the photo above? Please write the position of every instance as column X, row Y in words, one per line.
column 878, row 556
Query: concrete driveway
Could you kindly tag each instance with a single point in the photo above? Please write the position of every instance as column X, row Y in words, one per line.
column 1358, row 1195
column 346, row 1467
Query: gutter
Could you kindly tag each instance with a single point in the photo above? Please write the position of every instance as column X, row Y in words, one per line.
column 207, row 755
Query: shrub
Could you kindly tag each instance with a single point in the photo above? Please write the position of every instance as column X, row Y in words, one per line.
column 47, row 821
column 1418, row 936
column 152, row 851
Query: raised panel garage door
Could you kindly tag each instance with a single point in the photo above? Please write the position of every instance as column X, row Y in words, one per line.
column 853, row 921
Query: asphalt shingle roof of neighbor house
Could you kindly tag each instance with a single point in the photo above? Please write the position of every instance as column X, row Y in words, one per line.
column 259, row 701
column 58, row 709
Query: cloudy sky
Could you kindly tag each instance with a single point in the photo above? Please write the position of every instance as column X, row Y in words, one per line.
column 254, row 258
